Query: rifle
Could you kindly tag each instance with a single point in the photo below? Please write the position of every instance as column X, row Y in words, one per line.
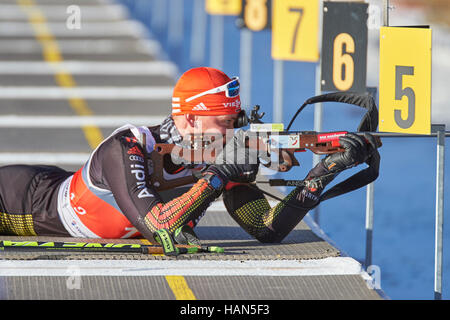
column 272, row 138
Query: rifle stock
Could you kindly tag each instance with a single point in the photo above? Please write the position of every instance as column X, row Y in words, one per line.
column 285, row 144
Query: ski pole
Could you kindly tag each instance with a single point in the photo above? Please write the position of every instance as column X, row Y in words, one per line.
column 130, row 248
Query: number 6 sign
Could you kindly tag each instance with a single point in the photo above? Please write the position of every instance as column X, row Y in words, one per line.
column 344, row 46
column 295, row 30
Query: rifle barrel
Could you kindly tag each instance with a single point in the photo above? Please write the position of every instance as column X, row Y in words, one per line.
column 406, row 135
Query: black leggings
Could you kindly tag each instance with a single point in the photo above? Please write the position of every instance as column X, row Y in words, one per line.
column 28, row 200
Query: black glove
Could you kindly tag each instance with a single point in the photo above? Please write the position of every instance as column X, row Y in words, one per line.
column 236, row 162
column 234, row 172
column 357, row 151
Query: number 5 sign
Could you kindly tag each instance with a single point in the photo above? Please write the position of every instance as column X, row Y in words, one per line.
column 295, row 30
column 405, row 80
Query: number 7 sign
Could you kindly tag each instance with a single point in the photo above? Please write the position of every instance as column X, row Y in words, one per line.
column 295, row 30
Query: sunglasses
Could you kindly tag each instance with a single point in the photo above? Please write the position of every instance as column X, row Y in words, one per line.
column 231, row 90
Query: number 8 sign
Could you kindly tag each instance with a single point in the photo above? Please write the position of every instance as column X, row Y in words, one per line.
column 295, row 30
column 405, row 80
column 256, row 14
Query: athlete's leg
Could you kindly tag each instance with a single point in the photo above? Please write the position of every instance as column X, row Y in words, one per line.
column 28, row 200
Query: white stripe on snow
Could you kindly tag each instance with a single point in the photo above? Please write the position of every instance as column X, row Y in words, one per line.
column 88, row 29
column 88, row 68
column 53, row 12
column 83, row 46
column 17, row 121
column 50, row 158
column 320, row 267
column 100, row 93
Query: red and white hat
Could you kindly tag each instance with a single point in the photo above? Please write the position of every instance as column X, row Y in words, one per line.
column 206, row 91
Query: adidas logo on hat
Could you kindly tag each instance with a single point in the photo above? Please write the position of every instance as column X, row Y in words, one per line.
column 201, row 106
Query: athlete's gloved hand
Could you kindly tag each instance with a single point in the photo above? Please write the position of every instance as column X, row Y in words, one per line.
column 236, row 162
column 358, row 149
column 234, row 172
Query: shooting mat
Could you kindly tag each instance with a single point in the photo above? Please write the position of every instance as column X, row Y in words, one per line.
column 216, row 228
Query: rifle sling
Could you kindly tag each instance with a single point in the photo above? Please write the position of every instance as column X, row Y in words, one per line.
column 356, row 181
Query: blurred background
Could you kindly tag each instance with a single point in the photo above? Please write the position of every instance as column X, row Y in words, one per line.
column 404, row 207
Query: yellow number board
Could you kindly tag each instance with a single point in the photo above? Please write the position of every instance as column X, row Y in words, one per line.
column 295, row 30
column 405, row 80
column 223, row 7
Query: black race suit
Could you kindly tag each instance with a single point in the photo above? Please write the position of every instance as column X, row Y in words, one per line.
column 110, row 197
